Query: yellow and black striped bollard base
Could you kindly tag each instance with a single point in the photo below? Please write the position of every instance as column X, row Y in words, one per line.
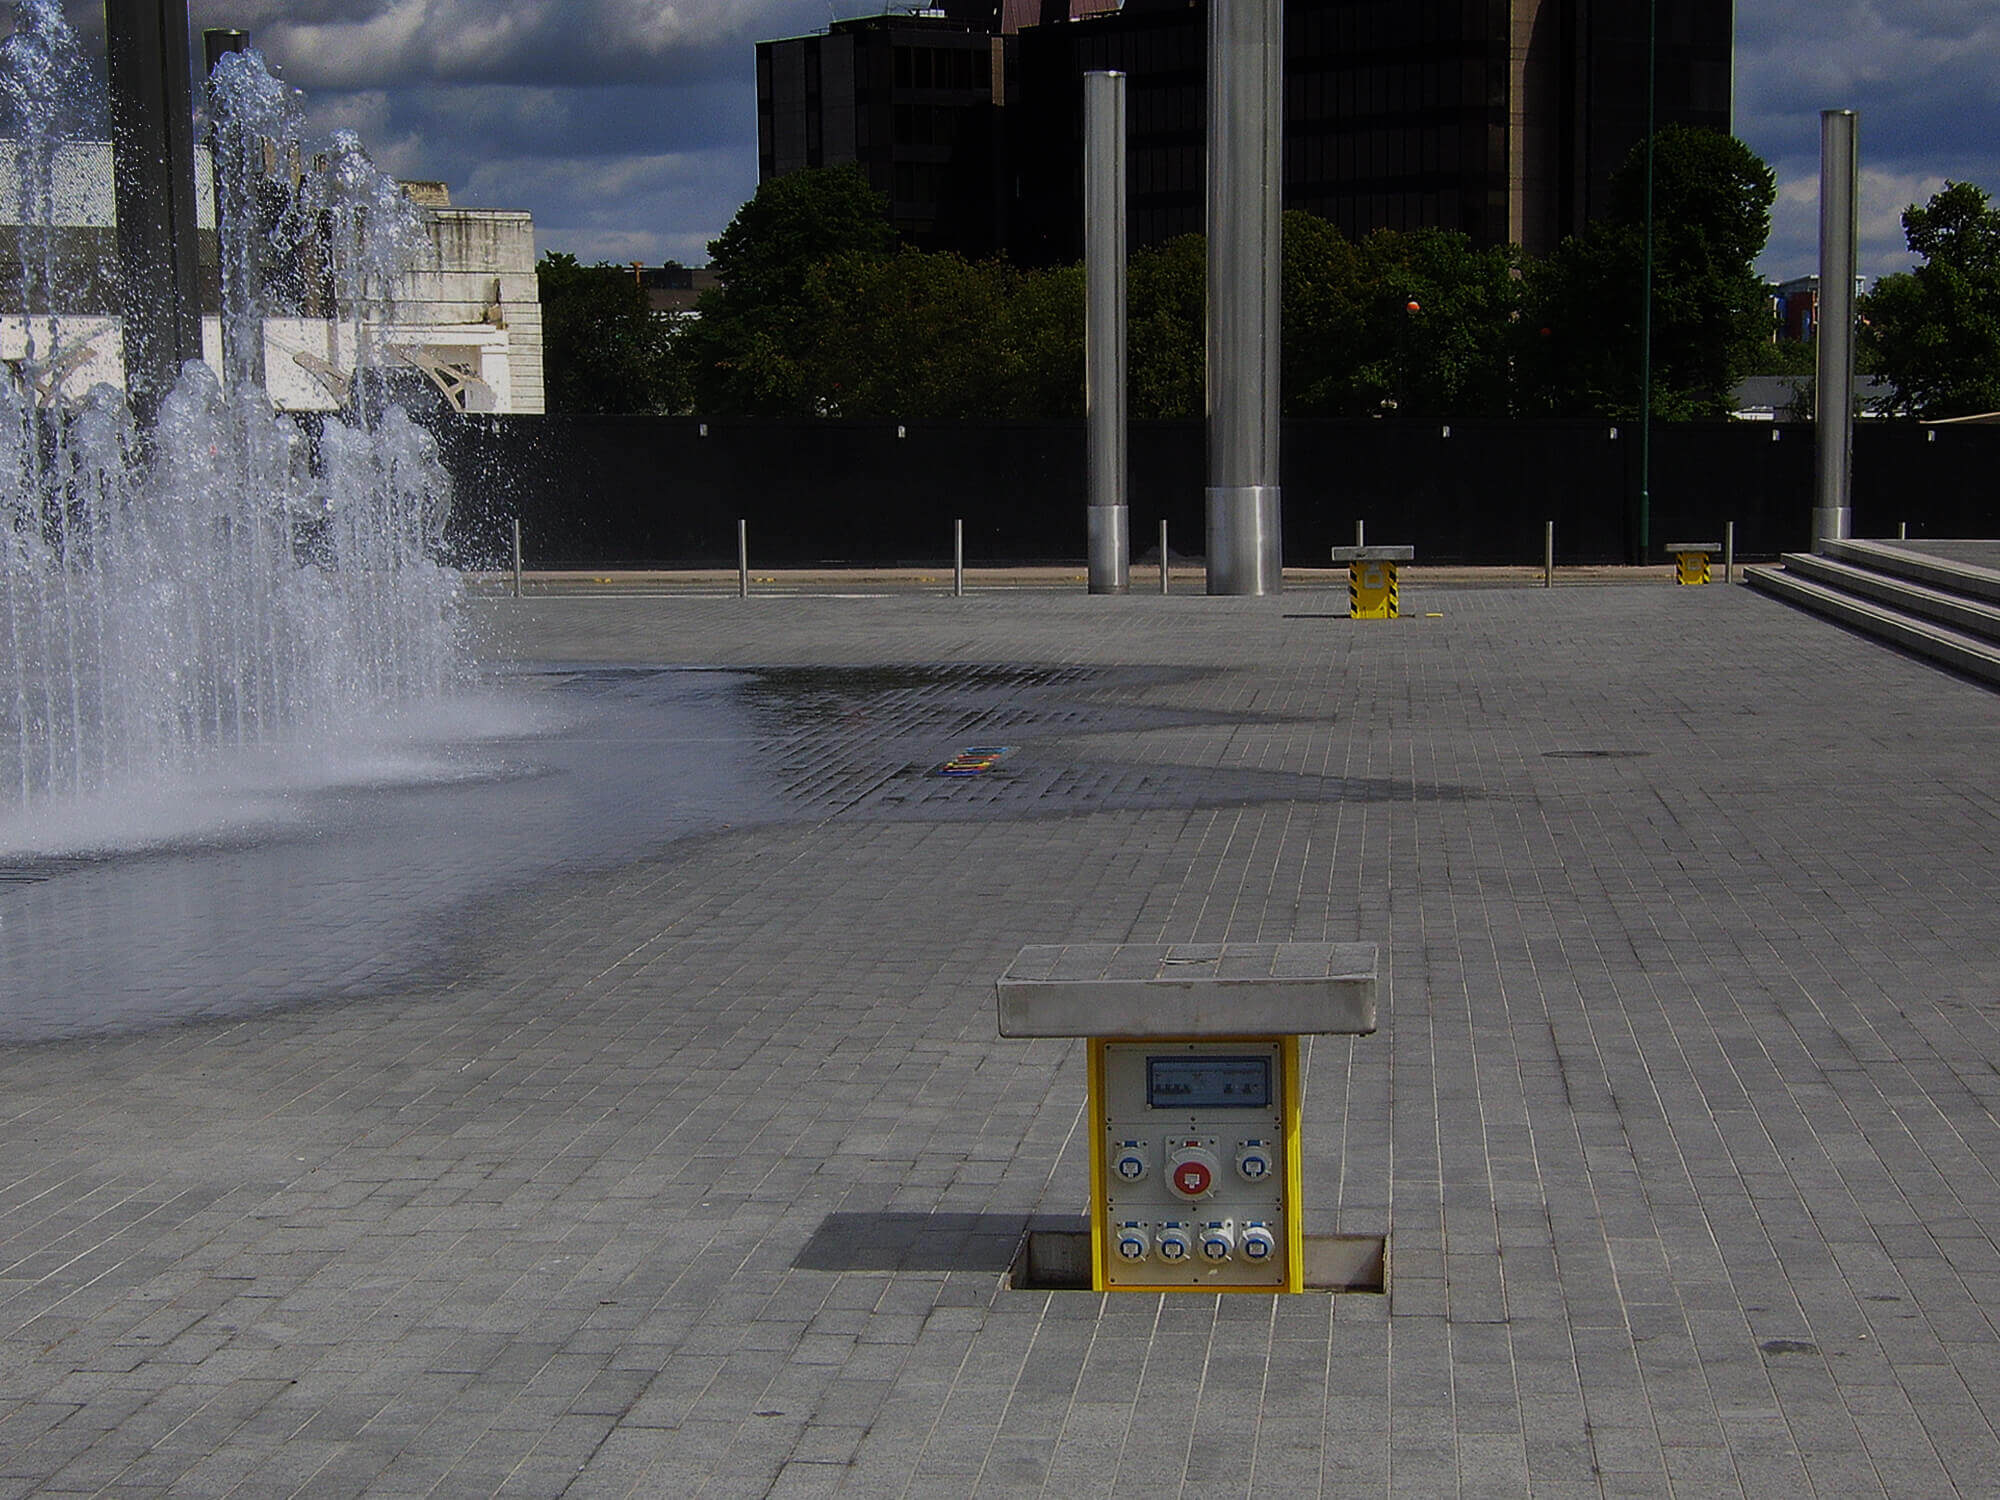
column 1693, row 568
column 1371, row 591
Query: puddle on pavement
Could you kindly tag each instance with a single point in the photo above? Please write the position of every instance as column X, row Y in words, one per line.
column 350, row 886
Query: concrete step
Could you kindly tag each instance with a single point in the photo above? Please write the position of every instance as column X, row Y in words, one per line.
column 1952, row 610
column 1955, row 649
column 1967, row 580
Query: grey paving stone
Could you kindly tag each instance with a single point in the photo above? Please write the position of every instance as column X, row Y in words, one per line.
column 1687, row 1063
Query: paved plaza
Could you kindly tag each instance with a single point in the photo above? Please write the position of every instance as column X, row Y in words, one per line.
column 628, row 1116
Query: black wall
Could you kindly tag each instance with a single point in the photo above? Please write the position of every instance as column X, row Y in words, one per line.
column 631, row 491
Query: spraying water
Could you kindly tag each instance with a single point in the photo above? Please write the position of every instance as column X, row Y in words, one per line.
column 232, row 581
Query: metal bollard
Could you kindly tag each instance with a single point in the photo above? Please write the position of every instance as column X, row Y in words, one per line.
column 1163, row 557
column 1548, row 554
column 1728, row 551
column 743, row 559
column 517, row 557
column 958, row 559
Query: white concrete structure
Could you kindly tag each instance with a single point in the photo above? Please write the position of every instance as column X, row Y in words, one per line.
column 468, row 314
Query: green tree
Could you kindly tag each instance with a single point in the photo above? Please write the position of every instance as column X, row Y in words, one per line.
column 1581, row 350
column 1438, row 323
column 1042, row 334
column 753, row 348
column 1798, row 357
column 933, row 335
column 1934, row 332
column 1351, row 345
column 1325, row 300
column 914, row 336
column 603, row 350
column 794, row 223
column 1166, row 338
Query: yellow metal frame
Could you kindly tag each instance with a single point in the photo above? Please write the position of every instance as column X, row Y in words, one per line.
column 1372, row 602
column 1691, row 568
column 1295, row 1234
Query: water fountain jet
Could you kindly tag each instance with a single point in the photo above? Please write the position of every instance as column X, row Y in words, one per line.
column 186, row 574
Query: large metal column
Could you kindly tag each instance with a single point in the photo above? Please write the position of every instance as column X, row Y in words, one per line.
column 238, row 253
column 152, row 128
column 1246, row 54
column 1104, row 329
column 1833, row 396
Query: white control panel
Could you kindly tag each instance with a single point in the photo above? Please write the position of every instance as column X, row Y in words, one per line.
column 1193, row 1155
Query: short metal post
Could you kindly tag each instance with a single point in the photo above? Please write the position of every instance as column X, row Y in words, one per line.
column 517, row 557
column 1360, row 532
column 1902, row 531
column 1728, row 551
column 1548, row 554
column 743, row 559
column 958, row 559
column 1163, row 557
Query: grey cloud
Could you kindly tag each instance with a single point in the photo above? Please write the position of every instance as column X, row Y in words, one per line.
column 632, row 208
column 467, row 127
column 528, row 42
column 628, row 127
column 1921, row 73
column 1925, row 77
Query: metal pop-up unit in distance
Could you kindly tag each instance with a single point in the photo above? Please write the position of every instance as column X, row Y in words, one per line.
column 1195, row 1169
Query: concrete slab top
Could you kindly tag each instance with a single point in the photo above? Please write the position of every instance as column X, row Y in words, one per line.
column 1374, row 554
column 1673, row 547
column 1189, row 989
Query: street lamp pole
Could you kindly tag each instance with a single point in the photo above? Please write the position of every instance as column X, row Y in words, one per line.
column 1646, row 323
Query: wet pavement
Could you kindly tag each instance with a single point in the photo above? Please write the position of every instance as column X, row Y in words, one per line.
column 357, row 880
column 310, row 893
column 609, row 1101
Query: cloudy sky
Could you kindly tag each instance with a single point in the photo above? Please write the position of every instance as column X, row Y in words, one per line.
column 628, row 127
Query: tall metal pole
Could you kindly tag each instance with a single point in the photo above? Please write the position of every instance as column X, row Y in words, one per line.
column 1646, row 324
column 1246, row 54
column 1833, row 397
column 152, row 176
column 1104, row 329
column 217, row 42
column 238, row 250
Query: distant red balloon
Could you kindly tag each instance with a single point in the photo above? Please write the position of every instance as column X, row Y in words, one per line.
column 1413, row 306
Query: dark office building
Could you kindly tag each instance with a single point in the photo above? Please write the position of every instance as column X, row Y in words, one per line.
column 1592, row 57
column 916, row 100
column 1501, row 118
column 1161, row 47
